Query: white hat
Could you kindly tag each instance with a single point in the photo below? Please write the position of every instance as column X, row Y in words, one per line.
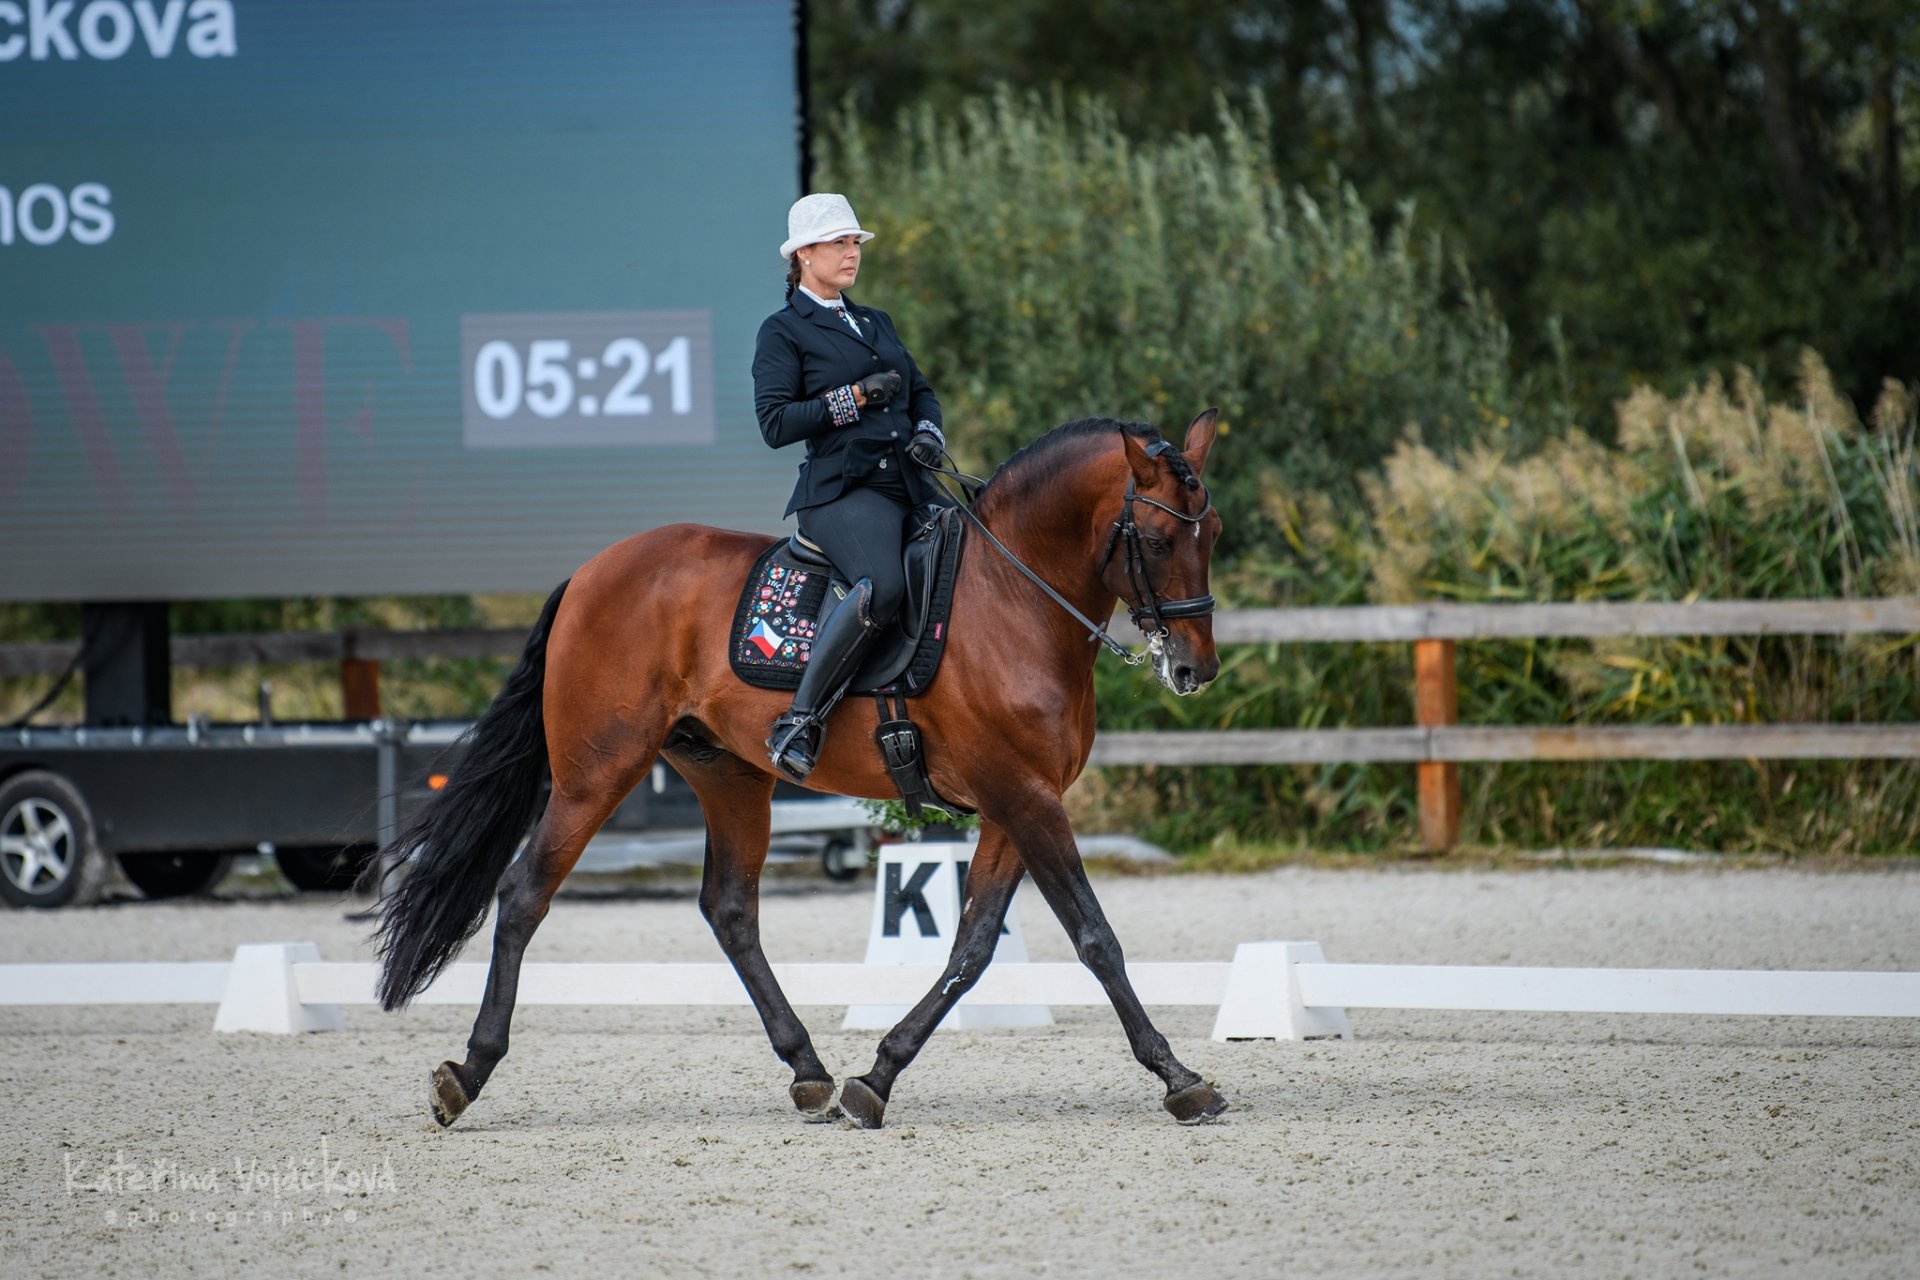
column 818, row 217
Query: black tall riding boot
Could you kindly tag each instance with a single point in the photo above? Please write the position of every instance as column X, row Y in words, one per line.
column 844, row 638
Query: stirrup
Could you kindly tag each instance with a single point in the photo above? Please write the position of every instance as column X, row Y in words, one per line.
column 790, row 731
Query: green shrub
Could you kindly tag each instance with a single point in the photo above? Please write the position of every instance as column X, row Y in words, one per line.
column 1044, row 267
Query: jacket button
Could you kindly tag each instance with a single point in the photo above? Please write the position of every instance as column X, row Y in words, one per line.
column 894, row 434
column 883, row 464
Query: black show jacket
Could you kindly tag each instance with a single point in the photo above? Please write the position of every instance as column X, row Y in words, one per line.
column 804, row 351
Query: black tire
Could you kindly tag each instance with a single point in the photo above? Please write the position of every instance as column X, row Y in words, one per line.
column 835, row 862
column 323, row 868
column 49, row 856
column 175, row 875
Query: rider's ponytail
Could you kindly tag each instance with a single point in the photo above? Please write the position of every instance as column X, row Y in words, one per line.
column 793, row 272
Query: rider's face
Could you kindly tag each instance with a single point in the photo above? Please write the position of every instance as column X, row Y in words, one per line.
column 830, row 266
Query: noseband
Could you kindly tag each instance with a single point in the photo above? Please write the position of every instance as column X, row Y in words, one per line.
column 1146, row 605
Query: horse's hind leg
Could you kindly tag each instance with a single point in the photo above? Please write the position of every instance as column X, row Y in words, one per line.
column 735, row 797
column 991, row 879
column 526, row 892
column 1053, row 860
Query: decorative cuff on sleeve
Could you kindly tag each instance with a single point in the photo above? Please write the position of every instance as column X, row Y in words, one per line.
column 842, row 407
column 926, row 424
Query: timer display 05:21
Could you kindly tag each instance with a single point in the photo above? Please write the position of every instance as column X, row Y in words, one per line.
column 589, row 378
column 544, row 382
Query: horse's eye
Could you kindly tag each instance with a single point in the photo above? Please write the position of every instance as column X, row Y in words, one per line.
column 1157, row 546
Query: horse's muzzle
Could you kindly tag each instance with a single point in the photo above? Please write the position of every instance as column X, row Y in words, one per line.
column 1182, row 670
column 1187, row 680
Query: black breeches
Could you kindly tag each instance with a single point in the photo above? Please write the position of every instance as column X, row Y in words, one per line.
column 861, row 530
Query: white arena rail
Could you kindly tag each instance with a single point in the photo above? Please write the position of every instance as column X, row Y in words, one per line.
column 1283, row 990
column 1696, row 991
column 200, row 982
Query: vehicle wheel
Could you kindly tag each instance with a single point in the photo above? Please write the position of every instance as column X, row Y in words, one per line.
column 841, row 861
column 48, row 854
column 175, row 875
column 323, row 868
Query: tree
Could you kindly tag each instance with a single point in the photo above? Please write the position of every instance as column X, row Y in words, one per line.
column 1675, row 186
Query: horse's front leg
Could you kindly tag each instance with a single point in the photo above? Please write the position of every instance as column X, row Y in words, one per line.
column 991, row 880
column 735, row 799
column 1053, row 860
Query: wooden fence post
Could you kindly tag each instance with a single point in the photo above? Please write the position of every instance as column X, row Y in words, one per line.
column 360, row 688
column 1436, row 701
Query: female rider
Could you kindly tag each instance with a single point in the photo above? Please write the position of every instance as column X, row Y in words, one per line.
column 835, row 376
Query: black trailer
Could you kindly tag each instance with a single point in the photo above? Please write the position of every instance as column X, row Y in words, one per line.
column 173, row 805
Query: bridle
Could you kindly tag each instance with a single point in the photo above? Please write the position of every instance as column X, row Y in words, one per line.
column 1126, row 533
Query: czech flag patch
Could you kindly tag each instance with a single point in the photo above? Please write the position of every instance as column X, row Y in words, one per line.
column 765, row 638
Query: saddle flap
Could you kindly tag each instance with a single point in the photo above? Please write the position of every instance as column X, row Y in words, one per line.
column 921, row 559
column 931, row 560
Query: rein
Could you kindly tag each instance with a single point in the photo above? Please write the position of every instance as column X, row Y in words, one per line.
column 1125, row 532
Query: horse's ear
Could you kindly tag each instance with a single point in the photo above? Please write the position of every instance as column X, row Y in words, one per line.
column 1145, row 470
column 1200, row 439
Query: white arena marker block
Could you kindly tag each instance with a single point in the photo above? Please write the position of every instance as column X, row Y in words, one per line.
column 261, row 995
column 916, row 909
column 1263, row 997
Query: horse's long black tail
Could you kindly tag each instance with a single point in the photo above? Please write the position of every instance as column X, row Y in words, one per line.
column 459, row 843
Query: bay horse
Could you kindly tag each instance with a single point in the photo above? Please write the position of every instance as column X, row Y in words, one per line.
column 628, row 662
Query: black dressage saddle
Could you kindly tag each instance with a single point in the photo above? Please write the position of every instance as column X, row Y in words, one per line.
column 776, row 619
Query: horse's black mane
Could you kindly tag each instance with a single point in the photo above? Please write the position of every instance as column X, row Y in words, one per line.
column 1086, row 428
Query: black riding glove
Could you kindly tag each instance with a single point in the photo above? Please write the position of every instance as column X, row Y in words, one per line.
column 880, row 388
column 927, row 445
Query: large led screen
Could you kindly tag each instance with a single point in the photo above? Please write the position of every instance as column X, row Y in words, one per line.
column 337, row 297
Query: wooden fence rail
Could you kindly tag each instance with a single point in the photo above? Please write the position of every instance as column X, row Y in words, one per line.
column 1436, row 745
column 1900, row 616
column 1484, row 744
column 248, row 649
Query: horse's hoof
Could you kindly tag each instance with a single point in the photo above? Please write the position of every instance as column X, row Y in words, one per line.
column 861, row 1104
column 1195, row 1104
column 814, row 1098
column 444, row 1091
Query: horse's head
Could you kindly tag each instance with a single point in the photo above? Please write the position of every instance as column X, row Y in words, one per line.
column 1157, row 557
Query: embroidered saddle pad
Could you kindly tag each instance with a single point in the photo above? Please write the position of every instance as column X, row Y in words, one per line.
column 791, row 586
